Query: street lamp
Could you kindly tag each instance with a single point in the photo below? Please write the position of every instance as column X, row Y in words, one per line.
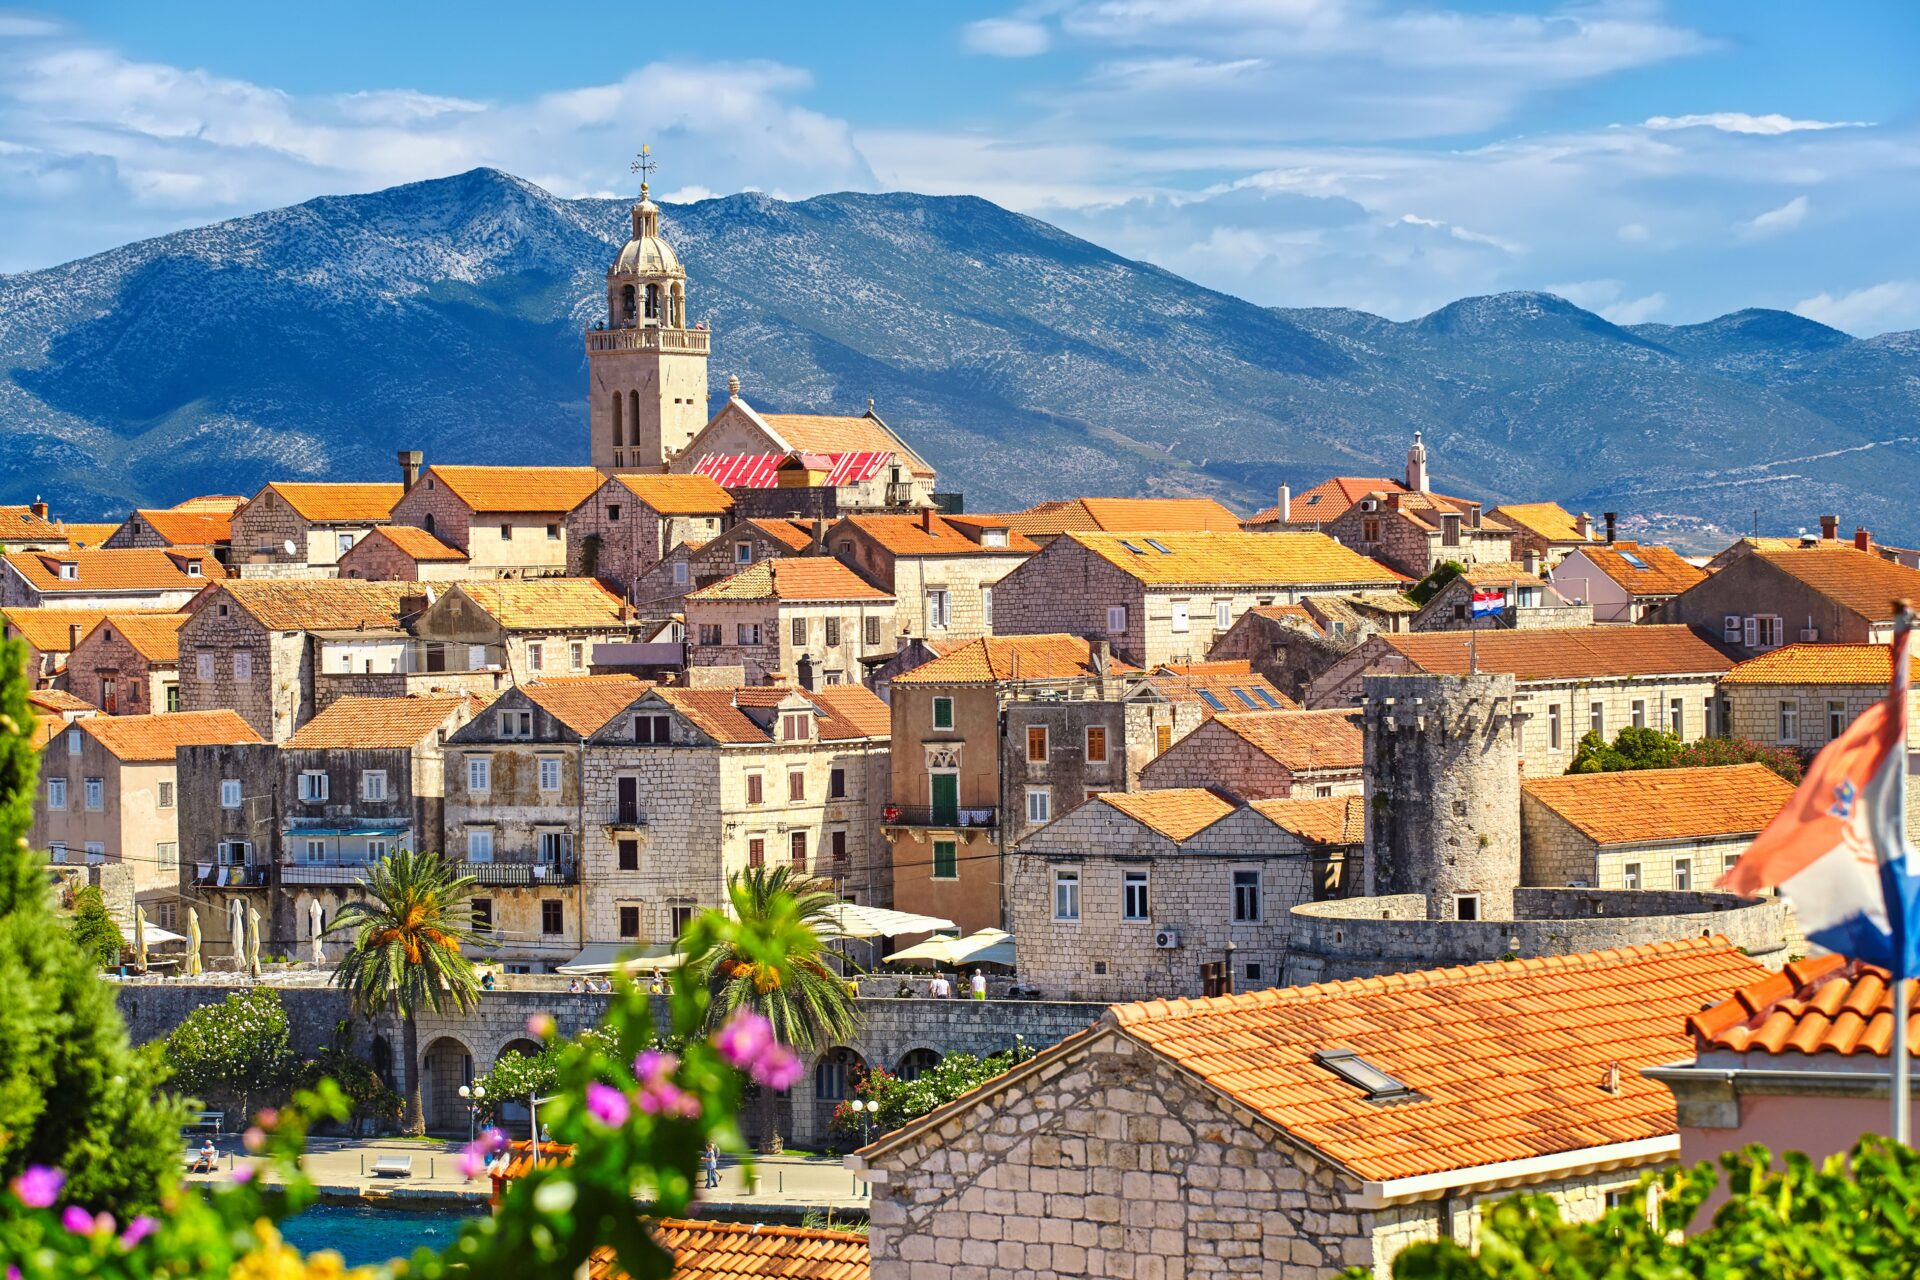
column 867, row 1111
column 476, row 1099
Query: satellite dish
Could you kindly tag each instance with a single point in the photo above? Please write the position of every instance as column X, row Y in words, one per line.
column 289, row 548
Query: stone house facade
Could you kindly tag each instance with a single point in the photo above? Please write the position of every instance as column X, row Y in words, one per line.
column 741, row 546
column 806, row 619
column 524, row 630
column 50, row 635
column 402, row 553
column 1803, row 696
column 1532, row 603
column 1624, row 582
column 1265, row 755
column 1291, row 644
column 197, row 522
column 129, row 664
column 510, row 521
column 231, row 799
column 98, row 579
column 1417, row 532
column 1546, row 530
column 320, row 522
column 1827, row 593
column 940, row 571
column 631, row 522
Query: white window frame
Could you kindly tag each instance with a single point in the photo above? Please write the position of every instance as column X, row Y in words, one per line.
column 1788, row 724
column 73, row 742
column 1039, row 805
column 1632, row 876
column 1553, row 727
column 577, row 654
column 479, row 844
column 1677, row 717
column 1470, row 901
column 536, row 656
column 373, row 784
column 313, row 786
column 230, row 797
column 1597, row 718
column 1639, row 713
column 1116, row 619
column 57, row 794
column 93, row 793
column 743, row 552
column 96, row 851
column 550, row 772
column 1066, row 895
column 1837, row 719
column 679, row 573
column 479, row 773
column 939, row 609
column 376, row 850
column 315, row 852
column 1136, row 896
column 1222, row 615
column 1683, row 873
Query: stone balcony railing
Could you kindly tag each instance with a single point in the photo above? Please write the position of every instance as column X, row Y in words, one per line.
column 650, row 338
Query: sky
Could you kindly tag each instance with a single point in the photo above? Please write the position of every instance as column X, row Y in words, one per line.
column 1656, row 162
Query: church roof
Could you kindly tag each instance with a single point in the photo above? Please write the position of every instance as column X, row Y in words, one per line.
column 762, row 470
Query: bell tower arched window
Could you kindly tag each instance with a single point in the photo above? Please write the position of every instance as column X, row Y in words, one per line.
column 653, row 302
column 633, row 416
column 616, row 419
column 627, row 303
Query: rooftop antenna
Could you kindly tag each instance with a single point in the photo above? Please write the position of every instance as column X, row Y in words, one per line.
column 644, row 165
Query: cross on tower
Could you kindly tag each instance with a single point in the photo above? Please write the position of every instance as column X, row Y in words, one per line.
column 644, row 165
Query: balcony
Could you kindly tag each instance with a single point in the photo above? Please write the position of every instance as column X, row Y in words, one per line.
column 649, row 338
column 621, row 814
column 213, row 875
column 941, row 817
column 323, row 872
column 519, row 875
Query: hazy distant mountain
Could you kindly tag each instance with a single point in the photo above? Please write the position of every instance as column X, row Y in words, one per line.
column 1026, row 363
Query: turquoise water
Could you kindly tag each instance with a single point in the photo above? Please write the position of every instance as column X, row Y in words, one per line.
column 363, row 1236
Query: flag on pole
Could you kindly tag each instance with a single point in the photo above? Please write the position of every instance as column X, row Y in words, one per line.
column 1488, row 601
column 1839, row 850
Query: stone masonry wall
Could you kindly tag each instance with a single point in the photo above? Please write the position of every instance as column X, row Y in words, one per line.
column 1214, row 756
column 139, row 684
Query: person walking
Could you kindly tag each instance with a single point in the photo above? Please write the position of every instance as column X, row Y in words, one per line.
column 711, row 1159
column 940, row 988
column 979, row 984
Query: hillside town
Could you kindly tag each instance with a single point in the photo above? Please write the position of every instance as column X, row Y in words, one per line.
column 1334, row 869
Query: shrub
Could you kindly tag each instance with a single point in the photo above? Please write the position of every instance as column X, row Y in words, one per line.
column 234, row 1052
column 92, row 929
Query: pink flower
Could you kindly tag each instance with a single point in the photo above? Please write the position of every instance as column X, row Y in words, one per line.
column 607, row 1104
column 268, row 1117
column 473, row 1162
column 654, row 1065
column 78, row 1220
column 254, row 1138
column 137, row 1230
column 540, row 1026
column 778, row 1069
column 493, row 1139
column 39, row 1186
column 742, row 1038
column 242, row 1173
column 13, row 1272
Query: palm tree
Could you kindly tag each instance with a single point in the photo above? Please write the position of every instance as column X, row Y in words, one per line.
column 785, row 977
column 406, row 951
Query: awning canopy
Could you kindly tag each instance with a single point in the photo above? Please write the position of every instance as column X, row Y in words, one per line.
column 597, row 958
column 852, row 920
column 989, row 946
column 155, row 934
column 387, row 831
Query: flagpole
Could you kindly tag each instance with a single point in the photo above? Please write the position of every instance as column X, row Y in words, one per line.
column 1902, row 1067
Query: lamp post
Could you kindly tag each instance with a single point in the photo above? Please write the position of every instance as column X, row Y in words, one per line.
column 475, row 1096
column 868, row 1110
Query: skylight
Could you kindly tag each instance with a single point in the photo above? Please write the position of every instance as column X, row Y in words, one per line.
column 1241, row 694
column 1129, row 546
column 1358, row 1072
column 1633, row 559
column 1207, row 697
column 1158, row 547
column 1266, row 697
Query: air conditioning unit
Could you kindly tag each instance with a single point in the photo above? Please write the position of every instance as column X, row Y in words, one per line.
column 1369, row 504
column 1166, row 939
column 1809, row 635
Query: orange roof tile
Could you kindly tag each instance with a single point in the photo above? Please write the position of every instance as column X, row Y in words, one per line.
column 518, row 489
column 19, row 524
column 1223, row 667
column 52, row 630
column 1565, row 653
column 1300, row 740
column 81, row 536
column 690, row 495
column 1175, row 812
column 1665, row 804
column 1125, row 515
column 1661, row 571
column 933, row 535
column 992, row 659
column 1220, row 691
column 1827, row 1004
column 1326, row 500
column 328, row 502
column 319, row 604
column 520, row 604
column 1506, row 1060
column 795, row 535
column 1501, row 573
column 145, row 739
column 220, row 503
column 836, row 433
column 379, row 722
column 1857, row 580
column 154, row 636
column 1548, row 520
column 1219, row 559
column 851, row 711
column 58, row 700
column 845, row 711
column 584, row 704
column 797, row 578
column 1869, row 664
column 131, row 569
column 1337, row 820
column 750, row 1251
column 175, row 526
column 415, row 544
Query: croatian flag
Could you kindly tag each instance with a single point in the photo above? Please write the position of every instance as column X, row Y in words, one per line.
column 1488, row 601
column 1838, row 851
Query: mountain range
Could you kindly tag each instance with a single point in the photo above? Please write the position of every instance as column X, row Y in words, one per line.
column 314, row 341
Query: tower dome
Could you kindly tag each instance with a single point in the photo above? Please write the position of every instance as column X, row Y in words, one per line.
column 646, row 285
column 646, row 254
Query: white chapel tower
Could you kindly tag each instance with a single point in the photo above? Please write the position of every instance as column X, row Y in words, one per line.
column 646, row 370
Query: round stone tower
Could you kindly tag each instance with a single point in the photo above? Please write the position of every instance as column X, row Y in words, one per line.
column 1443, row 792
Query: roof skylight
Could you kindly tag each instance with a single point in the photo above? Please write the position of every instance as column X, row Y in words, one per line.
column 1633, row 559
column 1361, row 1074
column 1266, row 697
column 1241, row 694
column 1206, row 696
column 1158, row 547
column 1129, row 546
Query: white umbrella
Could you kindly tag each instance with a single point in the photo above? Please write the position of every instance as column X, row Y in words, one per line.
column 253, row 942
column 988, row 946
column 237, row 927
column 139, row 936
column 313, row 914
column 193, row 942
column 852, row 920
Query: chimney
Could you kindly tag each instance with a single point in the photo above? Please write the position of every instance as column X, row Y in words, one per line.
column 1862, row 540
column 39, row 508
column 926, row 519
column 1829, row 528
column 73, row 636
column 1283, row 509
column 819, row 536
column 1608, row 516
column 410, row 460
column 1098, row 653
column 1583, row 525
column 1531, row 562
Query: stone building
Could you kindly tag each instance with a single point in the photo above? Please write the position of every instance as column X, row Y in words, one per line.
column 402, row 553
column 53, row 710
column 1624, row 581
column 1805, row 695
column 231, row 799
column 1644, row 828
column 940, row 570
column 109, row 793
column 1312, row 510
column 1240, row 1136
column 197, row 522
column 50, row 636
column 808, row 619
column 510, row 521
column 1168, row 598
column 1265, row 755
column 1417, row 532
column 1291, row 644
column 135, row 578
column 1568, row 681
column 1546, row 530
column 300, row 530
column 1530, row 602
column 1828, row 593
column 627, row 527
column 27, row 528
column 527, row 629
column 693, row 565
column 1045, row 521
column 252, row 644
column 519, row 830
column 129, row 664
column 1144, row 893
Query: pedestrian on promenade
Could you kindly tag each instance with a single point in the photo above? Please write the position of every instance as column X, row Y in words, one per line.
column 940, row 988
column 979, row 984
column 711, row 1159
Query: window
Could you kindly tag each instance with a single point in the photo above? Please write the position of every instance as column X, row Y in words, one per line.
column 316, row 851
column 679, row 573
column 653, row 729
column 172, row 694
column 203, row 665
column 506, row 532
column 797, row 847
column 796, row 785
column 682, row 917
column 1222, row 615
column 376, row 850
column 837, row 843
column 56, row 793
column 1116, row 619
column 1730, row 861
column 1707, row 718
column 1179, row 617
column 1466, row 906
column 1066, row 895
column 943, row 713
column 1246, row 897
column 1039, row 805
column 833, row 632
column 243, row 665
column 837, row 785
column 939, row 609
column 96, row 851
column 1683, row 873
column 1836, row 719
column 1772, row 634
column 629, row 922
column 710, row 633
column 553, row 916
column 1096, row 743
column 479, row 844
column 986, row 606
column 756, row 789
column 627, row 855
column 163, row 797
column 1450, row 530
column 536, row 657
column 1370, row 529
column 1253, row 973
column 312, row 786
column 553, row 532
column 1789, row 722
column 873, row 631
column 1553, row 727
column 1133, row 895
column 230, row 793
column 1597, row 718
column 746, row 633
column 477, row 657
column 1630, row 876
column 1639, row 713
column 613, row 512
column 57, row 851
column 549, row 774
column 479, row 773
column 373, row 784
column 756, row 851
column 1037, row 743
column 73, row 742
column 482, row 909
column 556, row 848
column 797, row 632
column 576, row 655
column 233, row 853
column 1676, row 717
column 516, row 724
column 1162, row 738
column 345, row 543
column 1323, row 789
column 796, row 726
column 96, row 793
column 743, row 553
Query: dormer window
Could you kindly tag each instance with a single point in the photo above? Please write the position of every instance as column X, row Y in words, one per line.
column 796, row 727
column 993, row 537
column 193, row 568
column 69, row 571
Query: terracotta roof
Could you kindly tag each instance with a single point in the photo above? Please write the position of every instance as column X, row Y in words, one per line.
column 846, row 711
column 1565, row 653
column 319, row 604
column 1175, row 812
column 379, row 722
column 795, row 535
column 1220, row 691
column 1661, row 572
column 195, row 527
column 1326, row 500
column 1223, row 667
column 81, row 536
column 1857, row 580
column 1125, row 515
column 58, row 700
column 518, row 1160
column 142, row 739
column 797, row 578
column 995, row 658
column 1506, row 1060
column 328, row 502
column 154, row 636
column 120, row 569
column 1300, row 740
column 1426, row 510
column 1318, row 819
column 1218, row 559
column 911, row 536
column 750, row 1251
column 218, row 503
column 1826, row 1004
column 1870, row 664
column 50, row 708
column 18, row 524
column 693, row 495
column 415, row 544
column 834, row 433
column 1637, row 805
column 584, row 703
column 1501, row 573
column 1548, row 520
column 518, row 489
column 520, row 604
column 852, row 711
column 51, row 630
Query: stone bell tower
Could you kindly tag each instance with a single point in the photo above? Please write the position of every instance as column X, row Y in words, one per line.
column 646, row 370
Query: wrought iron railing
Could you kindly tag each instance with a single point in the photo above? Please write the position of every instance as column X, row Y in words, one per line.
column 941, row 817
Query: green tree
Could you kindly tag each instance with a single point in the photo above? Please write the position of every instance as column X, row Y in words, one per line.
column 234, row 1052
column 406, row 954
column 774, row 964
column 516, row 1075
column 74, row 1094
column 902, row 1100
column 1631, row 748
column 92, row 928
column 1439, row 576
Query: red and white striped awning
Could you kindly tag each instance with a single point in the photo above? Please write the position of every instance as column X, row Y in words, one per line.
column 757, row 470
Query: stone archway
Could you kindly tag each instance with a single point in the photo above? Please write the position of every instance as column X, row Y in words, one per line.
column 914, row 1062
column 445, row 1066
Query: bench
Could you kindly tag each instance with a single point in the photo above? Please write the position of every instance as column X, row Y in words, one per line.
column 393, row 1167
column 214, row 1120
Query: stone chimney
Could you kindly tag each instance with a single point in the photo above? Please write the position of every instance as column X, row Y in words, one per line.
column 1829, row 528
column 926, row 519
column 1862, row 540
column 38, row 508
column 1531, row 562
column 1099, row 652
column 1583, row 525
column 1610, row 518
column 819, row 536
column 73, row 636
column 1417, row 465
column 1283, row 509
column 410, row 460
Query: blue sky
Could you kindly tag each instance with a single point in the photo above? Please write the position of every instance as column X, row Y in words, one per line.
column 1656, row 162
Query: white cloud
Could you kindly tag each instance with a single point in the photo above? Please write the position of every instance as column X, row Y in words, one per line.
column 1892, row 304
column 1774, row 221
column 1461, row 233
column 1006, row 37
column 1605, row 298
column 1741, row 122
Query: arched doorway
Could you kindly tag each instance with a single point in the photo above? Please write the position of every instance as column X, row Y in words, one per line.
column 836, row 1074
column 446, row 1065
column 916, row 1062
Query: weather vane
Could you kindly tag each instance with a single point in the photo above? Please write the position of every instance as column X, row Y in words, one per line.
column 644, row 165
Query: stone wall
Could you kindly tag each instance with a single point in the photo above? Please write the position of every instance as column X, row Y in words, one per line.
column 103, row 659
column 275, row 695
column 1213, row 755
column 628, row 537
column 1289, row 654
column 1555, row 852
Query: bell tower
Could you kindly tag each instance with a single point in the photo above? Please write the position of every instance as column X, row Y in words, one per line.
column 646, row 370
